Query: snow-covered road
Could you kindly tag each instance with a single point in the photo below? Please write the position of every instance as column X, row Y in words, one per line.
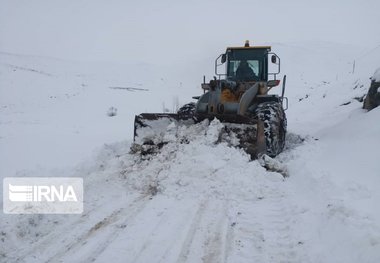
column 206, row 202
column 191, row 203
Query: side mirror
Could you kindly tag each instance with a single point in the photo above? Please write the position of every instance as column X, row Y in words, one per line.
column 273, row 83
column 274, row 59
column 224, row 58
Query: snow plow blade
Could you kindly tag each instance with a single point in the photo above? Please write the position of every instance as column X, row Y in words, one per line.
column 154, row 130
column 144, row 119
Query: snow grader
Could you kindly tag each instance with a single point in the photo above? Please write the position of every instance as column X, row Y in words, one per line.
column 238, row 97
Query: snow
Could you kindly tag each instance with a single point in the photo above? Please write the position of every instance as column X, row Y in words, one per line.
column 199, row 201
column 376, row 75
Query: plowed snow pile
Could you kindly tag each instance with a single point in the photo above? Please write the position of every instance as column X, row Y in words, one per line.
column 193, row 201
column 201, row 201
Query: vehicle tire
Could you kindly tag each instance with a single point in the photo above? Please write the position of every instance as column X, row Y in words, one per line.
column 187, row 111
column 274, row 119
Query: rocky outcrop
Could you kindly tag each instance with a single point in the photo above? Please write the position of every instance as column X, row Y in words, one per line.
column 372, row 99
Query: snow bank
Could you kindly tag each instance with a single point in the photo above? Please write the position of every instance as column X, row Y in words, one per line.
column 336, row 190
column 180, row 182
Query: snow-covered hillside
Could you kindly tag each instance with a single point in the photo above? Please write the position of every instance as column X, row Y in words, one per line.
column 73, row 74
column 60, row 107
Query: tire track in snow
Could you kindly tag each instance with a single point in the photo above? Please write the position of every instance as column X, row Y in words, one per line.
column 206, row 239
column 155, row 235
column 185, row 248
column 229, row 238
column 118, row 217
column 214, row 244
column 64, row 233
column 162, row 238
column 101, row 246
column 264, row 232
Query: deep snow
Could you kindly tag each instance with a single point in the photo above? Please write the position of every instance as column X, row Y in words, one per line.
column 199, row 201
column 192, row 202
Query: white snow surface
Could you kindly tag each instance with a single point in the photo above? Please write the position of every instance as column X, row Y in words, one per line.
column 192, row 202
column 198, row 201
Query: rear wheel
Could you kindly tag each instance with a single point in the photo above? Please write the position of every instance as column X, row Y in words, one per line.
column 273, row 116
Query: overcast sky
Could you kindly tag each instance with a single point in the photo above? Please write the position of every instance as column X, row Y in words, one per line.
column 168, row 29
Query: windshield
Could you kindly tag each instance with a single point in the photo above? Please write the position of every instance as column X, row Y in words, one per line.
column 247, row 64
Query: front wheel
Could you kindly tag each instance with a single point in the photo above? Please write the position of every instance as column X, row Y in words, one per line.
column 273, row 116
